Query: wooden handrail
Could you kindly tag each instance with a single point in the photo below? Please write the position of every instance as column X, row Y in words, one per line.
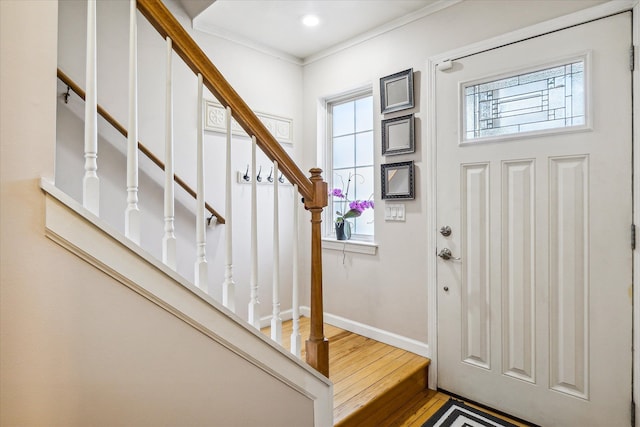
column 113, row 122
column 168, row 26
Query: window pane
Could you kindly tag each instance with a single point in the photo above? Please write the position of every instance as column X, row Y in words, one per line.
column 544, row 99
column 364, row 223
column 364, row 188
column 364, row 184
column 364, row 149
column 343, row 118
column 364, row 114
column 343, row 152
column 341, row 181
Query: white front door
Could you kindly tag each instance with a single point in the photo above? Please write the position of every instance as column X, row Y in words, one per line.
column 535, row 316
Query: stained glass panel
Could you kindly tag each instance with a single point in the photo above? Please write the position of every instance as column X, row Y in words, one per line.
column 544, row 99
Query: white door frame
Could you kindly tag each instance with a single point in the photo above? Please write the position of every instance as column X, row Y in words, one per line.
column 583, row 16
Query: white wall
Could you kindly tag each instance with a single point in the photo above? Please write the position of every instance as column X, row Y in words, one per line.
column 267, row 84
column 77, row 347
column 388, row 291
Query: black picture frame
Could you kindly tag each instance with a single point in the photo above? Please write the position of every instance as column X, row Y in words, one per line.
column 396, row 91
column 398, row 135
column 398, row 180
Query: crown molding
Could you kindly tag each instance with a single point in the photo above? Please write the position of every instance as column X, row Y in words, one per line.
column 385, row 28
column 279, row 54
column 243, row 41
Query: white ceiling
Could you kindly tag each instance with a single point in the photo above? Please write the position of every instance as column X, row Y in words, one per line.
column 274, row 26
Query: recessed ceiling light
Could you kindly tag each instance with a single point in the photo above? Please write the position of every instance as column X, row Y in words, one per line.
column 310, row 20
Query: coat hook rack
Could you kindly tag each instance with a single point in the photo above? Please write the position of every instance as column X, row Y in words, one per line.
column 67, row 95
column 245, row 178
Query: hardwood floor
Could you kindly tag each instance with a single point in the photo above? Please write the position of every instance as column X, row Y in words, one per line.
column 375, row 384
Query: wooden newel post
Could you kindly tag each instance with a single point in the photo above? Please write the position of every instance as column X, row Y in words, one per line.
column 317, row 346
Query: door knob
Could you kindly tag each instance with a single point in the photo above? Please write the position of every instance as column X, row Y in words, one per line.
column 446, row 254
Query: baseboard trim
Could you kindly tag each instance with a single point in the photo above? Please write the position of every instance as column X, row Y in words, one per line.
column 390, row 338
column 284, row 315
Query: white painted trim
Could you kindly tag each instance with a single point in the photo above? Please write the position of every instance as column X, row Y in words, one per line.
column 580, row 17
column 636, row 209
column 215, row 121
column 284, row 315
column 389, row 26
column 279, row 54
column 84, row 234
column 576, row 18
column 243, row 41
column 432, row 234
column 390, row 338
column 354, row 246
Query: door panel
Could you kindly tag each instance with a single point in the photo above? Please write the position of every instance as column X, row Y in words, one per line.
column 518, row 269
column 536, row 316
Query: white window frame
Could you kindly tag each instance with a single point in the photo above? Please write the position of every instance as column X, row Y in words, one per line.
column 358, row 243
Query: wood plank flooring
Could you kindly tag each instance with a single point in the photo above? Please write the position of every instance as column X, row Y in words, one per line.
column 375, row 384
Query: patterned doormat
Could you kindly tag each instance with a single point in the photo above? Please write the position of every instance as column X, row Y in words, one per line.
column 456, row 414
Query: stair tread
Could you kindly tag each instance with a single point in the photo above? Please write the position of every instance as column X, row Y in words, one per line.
column 372, row 380
column 385, row 396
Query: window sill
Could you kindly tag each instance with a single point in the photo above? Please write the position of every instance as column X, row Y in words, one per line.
column 356, row 246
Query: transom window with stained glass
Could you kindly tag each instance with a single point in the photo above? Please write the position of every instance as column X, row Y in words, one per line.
column 545, row 99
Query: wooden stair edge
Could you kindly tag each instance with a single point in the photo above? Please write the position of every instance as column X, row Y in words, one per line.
column 391, row 400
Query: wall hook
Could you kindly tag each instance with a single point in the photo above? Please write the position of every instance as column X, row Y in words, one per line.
column 270, row 177
column 281, row 179
column 67, row 95
column 259, row 178
column 246, row 176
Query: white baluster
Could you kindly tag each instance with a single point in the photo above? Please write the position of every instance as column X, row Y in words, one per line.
column 254, row 314
column 132, row 213
column 169, row 238
column 201, row 270
column 295, row 333
column 90, row 181
column 276, row 321
column 228, row 287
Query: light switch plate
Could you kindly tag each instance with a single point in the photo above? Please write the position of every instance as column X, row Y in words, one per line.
column 394, row 212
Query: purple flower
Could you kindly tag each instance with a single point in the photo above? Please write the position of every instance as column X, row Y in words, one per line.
column 337, row 192
column 356, row 207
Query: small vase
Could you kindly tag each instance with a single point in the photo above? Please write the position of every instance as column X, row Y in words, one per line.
column 340, row 232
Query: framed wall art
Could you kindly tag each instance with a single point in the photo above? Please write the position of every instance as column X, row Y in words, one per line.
column 397, row 180
column 398, row 136
column 396, row 91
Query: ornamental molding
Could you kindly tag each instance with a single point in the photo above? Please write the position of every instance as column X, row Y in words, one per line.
column 280, row 127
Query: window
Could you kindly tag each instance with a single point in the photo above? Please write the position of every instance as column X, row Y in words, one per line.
column 545, row 99
column 350, row 151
